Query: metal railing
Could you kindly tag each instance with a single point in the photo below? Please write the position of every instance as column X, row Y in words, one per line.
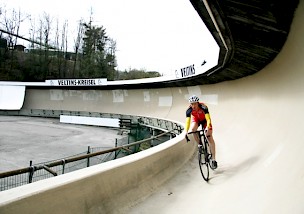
column 15, row 178
column 155, row 122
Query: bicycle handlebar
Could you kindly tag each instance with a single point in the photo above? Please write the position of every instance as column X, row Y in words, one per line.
column 198, row 131
column 187, row 138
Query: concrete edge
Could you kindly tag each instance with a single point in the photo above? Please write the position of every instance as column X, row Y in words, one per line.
column 110, row 187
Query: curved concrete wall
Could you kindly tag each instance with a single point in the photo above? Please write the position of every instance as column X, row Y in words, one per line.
column 145, row 102
column 258, row 127
column 110, row 187
column 258, row 124
column 114, row 186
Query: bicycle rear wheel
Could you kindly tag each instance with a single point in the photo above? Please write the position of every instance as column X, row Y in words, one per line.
column 203, row 164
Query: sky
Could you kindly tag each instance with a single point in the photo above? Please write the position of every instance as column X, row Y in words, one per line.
column 155, row 35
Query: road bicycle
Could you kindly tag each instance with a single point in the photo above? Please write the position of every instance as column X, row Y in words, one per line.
column 204, row 154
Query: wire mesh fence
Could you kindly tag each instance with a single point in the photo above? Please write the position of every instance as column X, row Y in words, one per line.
column 53, row 168
column 92, row 156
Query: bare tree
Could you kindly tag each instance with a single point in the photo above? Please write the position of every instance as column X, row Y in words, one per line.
column 11, row 24
column 78, row 44
column 67, row 56
column 32, row 33
column 63, row 47
column 46, row 28
column 110, row 50
column 59, row 55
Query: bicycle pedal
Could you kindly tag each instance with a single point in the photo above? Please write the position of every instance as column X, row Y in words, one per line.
column 213, row 164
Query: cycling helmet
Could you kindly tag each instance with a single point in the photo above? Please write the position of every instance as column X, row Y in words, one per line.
column 193, row 99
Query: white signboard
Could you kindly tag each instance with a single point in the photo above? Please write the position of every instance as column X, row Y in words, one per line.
column 190, row 70
column 76, row 82
column 95, row 121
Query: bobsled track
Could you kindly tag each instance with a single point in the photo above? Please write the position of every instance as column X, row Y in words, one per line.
column 258, row 127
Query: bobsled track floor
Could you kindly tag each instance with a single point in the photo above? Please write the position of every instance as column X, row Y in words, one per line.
column 25, row 139
column 258, row 127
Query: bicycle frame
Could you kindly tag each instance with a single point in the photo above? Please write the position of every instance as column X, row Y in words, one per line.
column 204, row 155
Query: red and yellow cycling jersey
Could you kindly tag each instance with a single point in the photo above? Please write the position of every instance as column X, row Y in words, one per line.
column 200, row 116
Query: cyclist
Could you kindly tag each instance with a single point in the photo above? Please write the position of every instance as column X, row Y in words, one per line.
column 198, row 114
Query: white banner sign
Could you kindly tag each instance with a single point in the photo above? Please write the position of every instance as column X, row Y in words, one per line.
column 190, row 70
column 76, row 82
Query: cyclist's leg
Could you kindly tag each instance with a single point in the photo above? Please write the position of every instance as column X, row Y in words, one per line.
column 213, row 163
column 211, row 143
column 193, row 127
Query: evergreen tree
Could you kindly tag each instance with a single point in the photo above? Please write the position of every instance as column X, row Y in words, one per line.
column 97, row 60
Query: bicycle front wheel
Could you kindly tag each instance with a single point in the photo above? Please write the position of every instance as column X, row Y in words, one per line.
column 204, row 167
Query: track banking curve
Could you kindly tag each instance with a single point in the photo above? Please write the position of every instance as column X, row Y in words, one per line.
column 258, row 128
column 257, row 123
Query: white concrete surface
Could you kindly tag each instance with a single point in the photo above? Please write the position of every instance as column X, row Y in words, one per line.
column 110, row 187
column 258, row 126
column 25, row 139
column 257, row 123
column 11, row 97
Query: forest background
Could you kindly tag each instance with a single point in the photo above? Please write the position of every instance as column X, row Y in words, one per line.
column 47, row 55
